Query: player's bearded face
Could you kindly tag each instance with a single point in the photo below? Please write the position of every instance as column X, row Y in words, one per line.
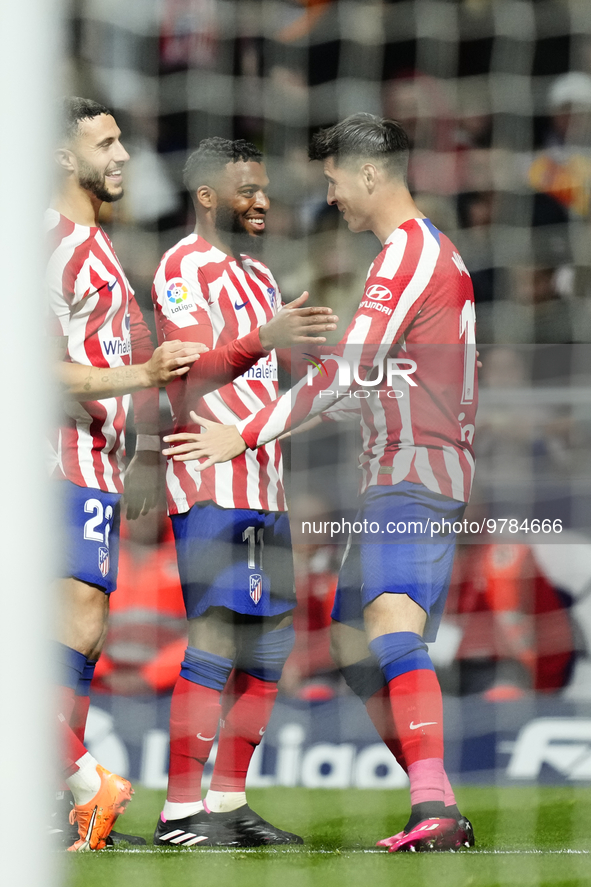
column 100, row 157
column 243, row 203
column 230, row 221
column 95, row 181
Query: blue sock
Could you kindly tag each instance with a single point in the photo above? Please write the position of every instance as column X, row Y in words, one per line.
column 400, row 652
column 267, row 656
column 206, row 669
column 83, row 688
column 71, row 665
column 364, row 677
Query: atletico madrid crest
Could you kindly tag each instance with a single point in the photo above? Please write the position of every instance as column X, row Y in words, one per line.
column 256, row 587
column 104, row 561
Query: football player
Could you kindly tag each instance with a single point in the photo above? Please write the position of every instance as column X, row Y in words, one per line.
column 230, row 523
column 411, row 353
column 96, row 325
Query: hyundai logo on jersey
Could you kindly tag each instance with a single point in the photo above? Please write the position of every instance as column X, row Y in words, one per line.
column 378, row 293
column 256, row 587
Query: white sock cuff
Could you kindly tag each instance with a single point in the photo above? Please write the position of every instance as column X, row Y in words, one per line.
column 224, row 802
column 85, row 782
column 174, row 810
column 87, row 761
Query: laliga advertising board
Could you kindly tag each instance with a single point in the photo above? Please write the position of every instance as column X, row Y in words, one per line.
column 333, row 745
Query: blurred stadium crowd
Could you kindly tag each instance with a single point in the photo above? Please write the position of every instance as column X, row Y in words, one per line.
column 496, row 98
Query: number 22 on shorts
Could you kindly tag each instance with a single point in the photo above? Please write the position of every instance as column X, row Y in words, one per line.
column 100, row 514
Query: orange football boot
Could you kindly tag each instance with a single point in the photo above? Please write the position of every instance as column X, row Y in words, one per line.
column 96, row 818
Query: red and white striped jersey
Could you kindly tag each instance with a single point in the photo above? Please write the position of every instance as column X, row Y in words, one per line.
column 408, row 359
column 204, row 295
column 92, row 304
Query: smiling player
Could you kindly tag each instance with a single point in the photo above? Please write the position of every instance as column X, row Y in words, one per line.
column 96, row 326
column 230, row 523
column 416, row 311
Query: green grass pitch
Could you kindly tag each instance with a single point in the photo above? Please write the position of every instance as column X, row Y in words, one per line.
column 525, row 836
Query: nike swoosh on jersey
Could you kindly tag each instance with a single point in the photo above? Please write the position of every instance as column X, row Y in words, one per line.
column 110, row 286
column 205, row 738
column 414, row 726
column 236, row 305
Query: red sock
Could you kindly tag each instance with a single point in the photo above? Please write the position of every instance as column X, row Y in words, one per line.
column 70, row 747
column 194, row 717
column 247, row 703
column 417, row 712
column 79, row 716
column 378, row 708
column 66, row 700
column 69, row 744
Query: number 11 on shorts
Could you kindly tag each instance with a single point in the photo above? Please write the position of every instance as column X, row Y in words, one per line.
column 254, row 536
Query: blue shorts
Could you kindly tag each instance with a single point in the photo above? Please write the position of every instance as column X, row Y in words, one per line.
column 234, row 558
column 91, row 535
column 396, row 558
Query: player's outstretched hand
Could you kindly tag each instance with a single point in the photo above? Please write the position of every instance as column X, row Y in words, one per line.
column 296, row 325
column 171, row 360
column 218, row 443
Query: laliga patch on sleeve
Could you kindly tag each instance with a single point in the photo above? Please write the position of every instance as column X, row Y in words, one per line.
column 178, row 297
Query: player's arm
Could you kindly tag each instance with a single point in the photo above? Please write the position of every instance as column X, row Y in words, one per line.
column 221, row 365
column 307, row 399
column 298, row 324
column 309, row 425
column 368, row 339
column 293, row 324
column 312, row 322
column 81, row 382
column 85, row 383
column 340, row 411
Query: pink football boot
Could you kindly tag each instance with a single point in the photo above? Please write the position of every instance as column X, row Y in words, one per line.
column 429, row 835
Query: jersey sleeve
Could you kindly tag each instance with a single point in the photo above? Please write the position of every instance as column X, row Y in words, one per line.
column 182, row 312
column 341, row 412
column 64, row 286
column 58, row 311
column 394, row 293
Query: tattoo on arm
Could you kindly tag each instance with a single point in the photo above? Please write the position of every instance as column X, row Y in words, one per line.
column 99, row 383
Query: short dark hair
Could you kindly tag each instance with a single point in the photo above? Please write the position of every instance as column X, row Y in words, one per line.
column 73, row 110
column 364, row 135
column 211, row 157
